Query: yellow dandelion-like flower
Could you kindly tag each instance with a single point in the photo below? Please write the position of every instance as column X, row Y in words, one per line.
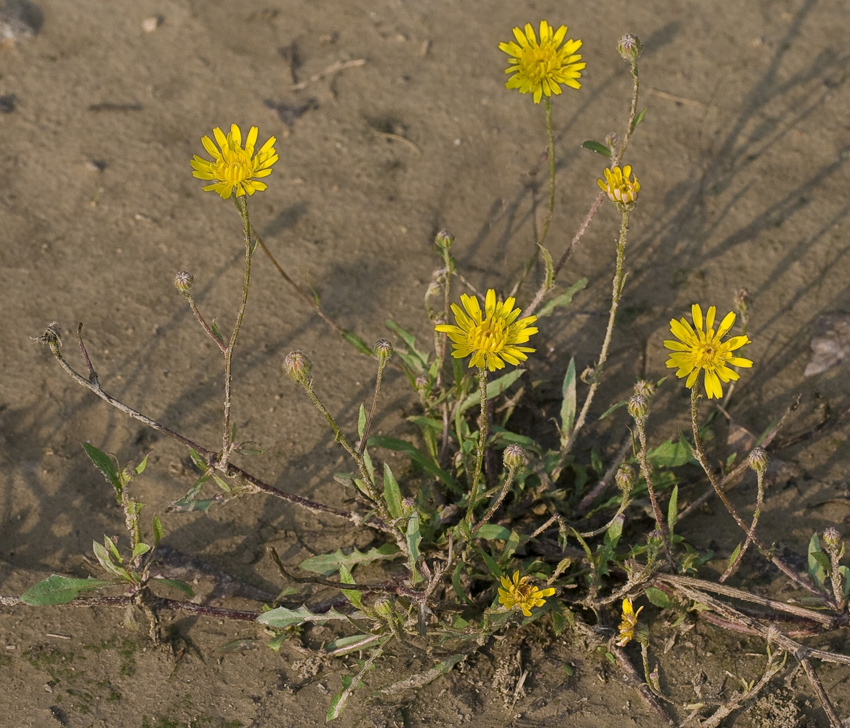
column 619, row 187
column 627, row 626
column 492, row 335
column 519, row 592
column 540, row 67
column 699, row 348
column 235, row 168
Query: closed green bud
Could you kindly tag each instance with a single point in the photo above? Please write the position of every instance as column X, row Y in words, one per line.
column 638, row 407
column 758, row 460
column 299, row 368
column 514, row 457
column 384, row 607
column 183, row 282
column 831, row 537
column 444, row 240
column 629, row 47
column 644, row 388
column 625, row 478
column 383, row 350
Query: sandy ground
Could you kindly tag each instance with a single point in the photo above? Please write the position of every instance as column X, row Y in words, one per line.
column 742, row 159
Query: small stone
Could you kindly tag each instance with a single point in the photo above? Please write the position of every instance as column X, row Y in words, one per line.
column 19, row 19
column 149, row 25
column 95, row 165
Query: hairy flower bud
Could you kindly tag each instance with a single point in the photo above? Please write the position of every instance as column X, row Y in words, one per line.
column 383, row 350
column 742, row 300
column 625, row 478
column 183, row 282
column 644, row 389
column 299, row 368
column 629, row 47
column 638, row 407
column 758, row 460
column 444, row 240
column 384, row 606
column 514, row 457
column 831, row 537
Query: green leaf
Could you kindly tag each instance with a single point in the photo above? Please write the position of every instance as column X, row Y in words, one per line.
column 110, row 544
column 494, row 388
column 222, row 483
column 639, row 118
column 564, row 299
column 140, row 468
column 673, row 510
column 670, row 454
column 361, row 421
column 281, row 618
column 614, row 531
column 568, row 403
column 413, row 540
column 735, row 553
column 612, row 408
column 493, row 532
column 409, row 341
column 157, row 531
column 105, row 465
column 659, row 598
column 845, row 575
column 354, row 596
column 59, row 590
column 198, row 460
column 392, row 494
column 491, row 564
column 357, row 342
column 104, row 558
column 351, row 643
column 177, row 584
column 457, row 586
column 818, row 561
column 597, row 147
column 327, row 564
column 549, row 280
column 139, row 549
column 425, row 462
column 216, row 332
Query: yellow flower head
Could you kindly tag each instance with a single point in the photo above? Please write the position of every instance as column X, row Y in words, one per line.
column 699, row 348
column 518, row 592
column 235, row 168
column 627, row 626
column 619, row 187
column 540, row 67
column 492, row 335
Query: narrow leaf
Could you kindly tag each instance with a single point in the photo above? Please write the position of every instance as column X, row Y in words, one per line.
column 494, row 388
column 354, row 596
column 140, row 468
column 639, row 118
column 659, row 598
column 673, row 510
column 413, row 540
column 597, row 147
column 425, row 462
column 139, row 549
column 327, row 564
column 357, row 342
column 568, row 404
column 564, row 299
column 282, row 617
column 105, row 465
column 177, row 584
column 157, row 531
column 361, row 421
column 493, row 532
column 549, row 280
column 392, row 494
column 59, row 590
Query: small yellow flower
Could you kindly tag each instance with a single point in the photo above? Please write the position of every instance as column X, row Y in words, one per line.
column 619, row 187
column 699, row 348
column 627, row 626
column 490, row 336
column 540, row 67
column 518, row 592
column 235, row 168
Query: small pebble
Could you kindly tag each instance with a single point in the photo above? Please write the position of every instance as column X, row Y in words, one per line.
column 95, row 165
column 149, row 25
column 7, row 104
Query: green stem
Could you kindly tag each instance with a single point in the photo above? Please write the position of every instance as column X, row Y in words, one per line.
column 616, row 294
column 496, row 503
column 382, row 362
column 646, row 472
column 227, row 436
column 482, row 442
column 550, row 134
column 699, row 454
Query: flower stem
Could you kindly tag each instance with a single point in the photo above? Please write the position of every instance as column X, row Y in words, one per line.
column 227, row 435
column 646, row 472
column 550, row 134
column 496, row 503
column 699, row 454
column 616, row 294
column 482, row 442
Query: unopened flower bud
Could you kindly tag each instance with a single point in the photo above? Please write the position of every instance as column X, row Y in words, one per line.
column 383, row 350
column 383, row 606
column 421, row 383
column 514, row 457
column 629, row 47
column 444, row 240
column 758, row 460
column 299, row 368
column 831, row 538
column 183, row 281
column 644, row 389
column 638, row 407
column 625, row 478
column 408, row 505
